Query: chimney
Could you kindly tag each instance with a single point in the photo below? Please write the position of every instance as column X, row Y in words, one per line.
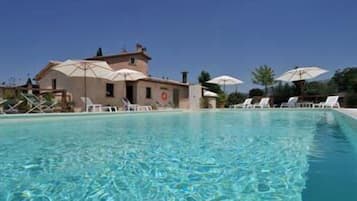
column 139, row 47
column 184, row 76
column 99, row 52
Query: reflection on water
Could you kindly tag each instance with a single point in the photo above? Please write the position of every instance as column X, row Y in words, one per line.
column 332, row 173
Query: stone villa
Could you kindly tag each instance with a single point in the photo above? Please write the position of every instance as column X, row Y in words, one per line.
column 152, row 91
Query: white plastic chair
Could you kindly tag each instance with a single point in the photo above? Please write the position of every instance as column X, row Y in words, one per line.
column 291, row 102
column 92, row 107
column 264, row 102
column 331, row 102
column 128, row 106
column 246, row 104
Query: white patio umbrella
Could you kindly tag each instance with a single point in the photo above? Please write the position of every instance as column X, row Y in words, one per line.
column 225, row 80
column 209, row 93
column 125, row 75
column 299, row 75
column 84, row 68
column 303, row 73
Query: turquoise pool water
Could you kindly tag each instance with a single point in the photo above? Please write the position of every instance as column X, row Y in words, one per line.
column 223, row 155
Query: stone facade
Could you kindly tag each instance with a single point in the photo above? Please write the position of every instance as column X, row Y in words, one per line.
column 149, row 91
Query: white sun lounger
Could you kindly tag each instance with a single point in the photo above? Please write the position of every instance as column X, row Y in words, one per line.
column 35, row 103
column 292, row 102
column 92, row 107
column 12, row 108
column 2, row 101
column 246, row 104
column 331, row 102
column 264, row 102
column 128, row 106
column 50, row 105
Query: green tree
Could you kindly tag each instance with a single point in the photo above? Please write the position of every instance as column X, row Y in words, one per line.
column 323, row 88
column 346, row 79
column 264, row 75
column 203, row 78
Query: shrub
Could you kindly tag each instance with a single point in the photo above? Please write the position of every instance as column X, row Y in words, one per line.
column 204, row 102
column 256, row 92
column 221, row 100
column 235, row 98
column 9, row 94
column 281, row 93
column 351, row 99
column 48, row 96
column 320, row 88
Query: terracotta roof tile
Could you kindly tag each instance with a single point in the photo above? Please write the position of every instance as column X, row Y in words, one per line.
column 120, row 55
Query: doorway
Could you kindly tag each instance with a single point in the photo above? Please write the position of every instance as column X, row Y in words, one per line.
column 176, row 98
column 130, row 93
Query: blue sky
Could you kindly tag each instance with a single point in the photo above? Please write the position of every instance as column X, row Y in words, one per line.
column 223, row 37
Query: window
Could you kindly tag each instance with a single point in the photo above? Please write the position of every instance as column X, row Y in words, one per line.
column 54, row 84
column 132, row 61
column 148, row 92
column 109, row 90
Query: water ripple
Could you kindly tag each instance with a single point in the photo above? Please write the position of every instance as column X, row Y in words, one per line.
column 202, row 156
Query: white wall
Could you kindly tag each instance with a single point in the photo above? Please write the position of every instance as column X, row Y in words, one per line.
column 195, row 95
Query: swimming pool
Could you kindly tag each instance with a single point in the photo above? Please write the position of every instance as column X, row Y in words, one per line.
column 208, row 155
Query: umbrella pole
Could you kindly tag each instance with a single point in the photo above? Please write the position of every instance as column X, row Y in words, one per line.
column 224, row 87
column 124, row 86
column 302, row 86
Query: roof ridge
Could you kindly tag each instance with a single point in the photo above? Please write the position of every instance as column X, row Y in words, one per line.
column 120, row 54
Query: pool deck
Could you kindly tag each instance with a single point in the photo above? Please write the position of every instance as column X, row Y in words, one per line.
column 82, row 114
column 352, row 112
